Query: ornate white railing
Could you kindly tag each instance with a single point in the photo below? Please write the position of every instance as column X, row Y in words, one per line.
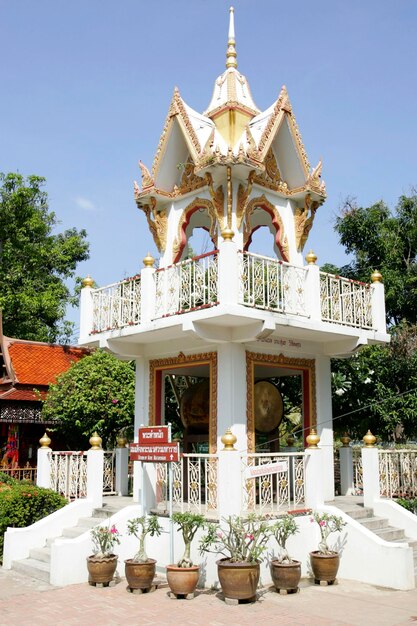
column 345, row 301
column 357, row 470
column 271, row 284
column 109, row 473
column 186, row 286
column 117, row 305
column 274, row 492
column 20, row 473
column 69, row 474
column 194, row 484
column 398, row 473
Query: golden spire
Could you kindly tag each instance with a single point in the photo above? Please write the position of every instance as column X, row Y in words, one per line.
column 231, row 43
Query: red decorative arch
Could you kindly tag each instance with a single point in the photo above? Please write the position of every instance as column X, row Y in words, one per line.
column 181, row 239
column 280, row 239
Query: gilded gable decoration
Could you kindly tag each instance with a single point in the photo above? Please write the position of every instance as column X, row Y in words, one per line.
column 147, row 180
column 281, row 239
column 271, row 177
column 242, row 198
column 157, row 223
column 304, row 218
column 189, row 180
column 217, row 195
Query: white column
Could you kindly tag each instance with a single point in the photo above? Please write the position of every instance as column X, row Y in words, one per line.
column 313, row 292
column 313, row 480
column 142, row 419
column 229, row 483
column 228, row 273
column 86, row 313
column 347, row 485
column 147, row 294
column 231, row 393
column 325, row 423
column 95, row 468
column 122, row 478
column 378, row 307
column 370, row 475
column 43, row 471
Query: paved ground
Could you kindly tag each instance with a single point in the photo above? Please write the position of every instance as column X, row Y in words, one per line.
column 27, row 602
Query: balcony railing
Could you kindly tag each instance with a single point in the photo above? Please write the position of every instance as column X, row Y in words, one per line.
column 117, row 305
column 398, row 473
column 271, row 284
column 186, row 286
column 345, row 301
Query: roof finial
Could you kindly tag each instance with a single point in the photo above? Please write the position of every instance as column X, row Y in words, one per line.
column 231, row 48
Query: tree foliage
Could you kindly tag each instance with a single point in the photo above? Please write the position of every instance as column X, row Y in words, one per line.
column 35, row 261
column 95, row 394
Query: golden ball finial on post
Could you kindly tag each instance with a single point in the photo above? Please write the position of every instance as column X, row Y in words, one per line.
column 369, row 440
column 311, row 258
column 345, row 440
column 313, row 439
column 45, row 441
column 95, row 441
column 227, row 234
column 148, row 261
column 88, row 281
column 121, row 441
column 229, row 440
column 376, row 276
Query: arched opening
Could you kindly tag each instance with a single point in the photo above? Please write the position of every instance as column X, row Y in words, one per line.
column 262, row 241
column 263, row 222
column 197, row 232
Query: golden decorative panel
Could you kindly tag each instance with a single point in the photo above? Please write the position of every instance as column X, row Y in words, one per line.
column 304, row 218
column 276, row 360
column 157, row 222
column 182, row 360
column 217, row 195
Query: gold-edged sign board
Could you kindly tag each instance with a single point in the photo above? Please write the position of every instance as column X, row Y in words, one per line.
column 268, row 406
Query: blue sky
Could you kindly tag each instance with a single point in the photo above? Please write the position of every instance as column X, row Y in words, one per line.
column 86, row 87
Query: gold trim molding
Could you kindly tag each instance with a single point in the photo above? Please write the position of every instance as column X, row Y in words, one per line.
column 303, row 221
column 264, row 202
column 197, row 203
column 183, row 360
column 277, row 360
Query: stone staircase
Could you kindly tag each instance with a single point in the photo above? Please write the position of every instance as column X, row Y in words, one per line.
column 378, row 525
column 37, row 565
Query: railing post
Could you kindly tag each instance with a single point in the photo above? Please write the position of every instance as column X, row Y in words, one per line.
column 43, row 472
column 229, row 479
column 370, row 470
column 378, row 303
column 313, row 298
column 147, row 290
column 228, row 271
column 86, row 309
column 95, row 467
column 313, row 479
column 122, row 462
column 347, row 483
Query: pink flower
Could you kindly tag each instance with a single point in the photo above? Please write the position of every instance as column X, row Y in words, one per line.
column 249, row 536
column 114, row 401
column 322, row 523
column 113, row 530
column 311, row 519
column 220, row 535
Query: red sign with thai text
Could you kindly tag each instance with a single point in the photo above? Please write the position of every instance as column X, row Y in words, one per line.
column 153, row 435
column 155, row 453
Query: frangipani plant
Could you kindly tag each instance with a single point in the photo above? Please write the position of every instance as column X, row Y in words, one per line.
column 237, row 539
column 328, row 524
column 104, row 539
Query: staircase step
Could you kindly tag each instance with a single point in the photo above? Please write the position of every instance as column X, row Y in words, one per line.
column 373, row 523
column 390, row 533
column 359, row 512
column 51, row 540
column 32, row 567
column 89, row 522
column 74, row 531
column 41, row 554
column 104, row 512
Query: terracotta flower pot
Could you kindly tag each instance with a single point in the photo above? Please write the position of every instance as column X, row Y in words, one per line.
column 286, row 575
column 140, row 575
column 101, row 568
column 238, row 580
column 183, row 580
column 324, row 566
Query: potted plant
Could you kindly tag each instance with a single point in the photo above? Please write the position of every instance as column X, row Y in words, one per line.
column 183, row 576
column 242, row 543
column 140, row 571
column 285, row 571
column 325, row 561
column 102, row 564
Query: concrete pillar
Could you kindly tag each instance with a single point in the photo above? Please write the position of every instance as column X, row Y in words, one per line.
column 86, row 310
column 43, row 471
column 325, row 423
column 147, row 291
column 142, row 419
column 231, row 392
column 347, row 483
column 314, row 485
column 313, row 301
column 122, row 462
column 229, row 478
column 95, row 469
column 379, row 322
column 228, row 273
column 370, row 473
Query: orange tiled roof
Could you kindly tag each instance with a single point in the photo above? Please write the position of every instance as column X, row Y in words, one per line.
column 39, row 364
column 22, row 395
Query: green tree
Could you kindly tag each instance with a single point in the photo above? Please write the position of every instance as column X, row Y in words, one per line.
column 95, row 394
column 35, row 262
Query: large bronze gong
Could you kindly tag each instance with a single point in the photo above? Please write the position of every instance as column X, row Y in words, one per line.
column 268, row 406
column 195, row 407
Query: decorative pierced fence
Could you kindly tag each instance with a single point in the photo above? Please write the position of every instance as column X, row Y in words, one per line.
column 194, row 484
column 69, row 474
column 117, row 305
column 186, row 286
column 357, row 470
column 109, row 473
column 271, row 284
column 20, row 473
column 345, row 301
column 276, row 491
column 398, row 473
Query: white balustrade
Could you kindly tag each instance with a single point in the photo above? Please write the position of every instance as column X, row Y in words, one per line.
column 271, row 284
column 345, row 301
column 273, row 492
column 117, row 305
column 194, row 484
column 186, row 286
column 69, row 474
column 109, row 473
column 357, row 470
column 398, row 473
